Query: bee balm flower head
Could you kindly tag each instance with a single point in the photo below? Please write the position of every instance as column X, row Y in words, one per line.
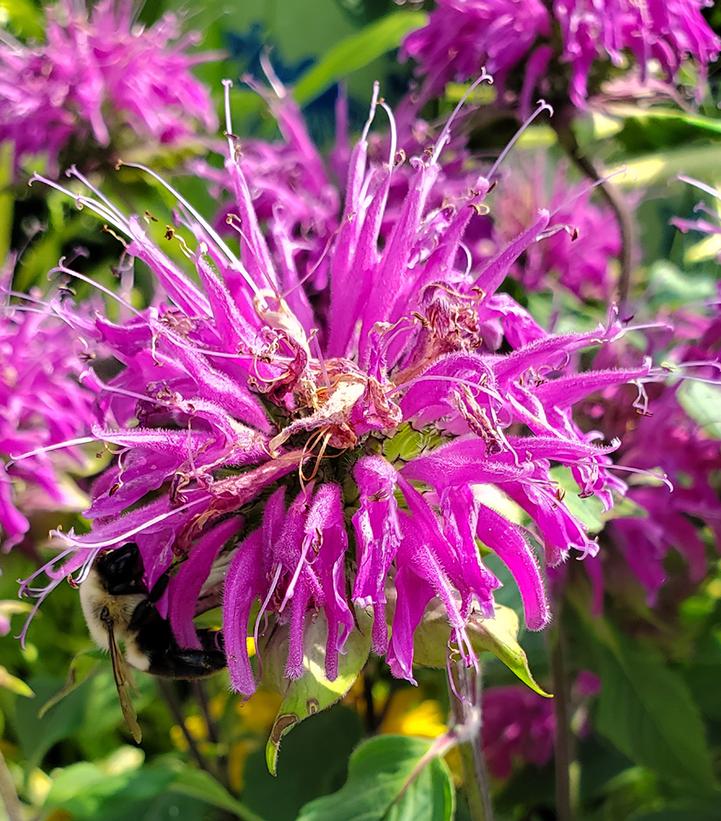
column 335, row 453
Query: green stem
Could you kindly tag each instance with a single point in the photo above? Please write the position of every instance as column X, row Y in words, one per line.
column 213, row 733
column 562, row 744
column 8, row 793
column 479, row 802
column 567, row 139
column 176, row 710
column 468, row 724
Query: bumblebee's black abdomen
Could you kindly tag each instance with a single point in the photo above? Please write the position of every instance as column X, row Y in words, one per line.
column 154, row 639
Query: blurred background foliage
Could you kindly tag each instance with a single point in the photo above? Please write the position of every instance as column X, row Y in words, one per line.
column 647, row 747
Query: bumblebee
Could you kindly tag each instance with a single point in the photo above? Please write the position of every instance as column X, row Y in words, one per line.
column 119, row 609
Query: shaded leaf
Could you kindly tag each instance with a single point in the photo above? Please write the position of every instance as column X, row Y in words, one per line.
column 658, row 128
column 698, row 810
column 37, row 735
column 646, row 710
column 83, row 665
column 200, row 784
column 314, row 763
column 389, row 779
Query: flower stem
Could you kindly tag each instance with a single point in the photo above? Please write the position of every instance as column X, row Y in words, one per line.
column 475, row 782
column 468, row 724
column 176, row 710
column 8, row 793
column 201, row 697
column 567, row 139
column 562, row 744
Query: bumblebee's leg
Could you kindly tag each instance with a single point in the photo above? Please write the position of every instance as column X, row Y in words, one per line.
column 159, row 588
column 211, row 640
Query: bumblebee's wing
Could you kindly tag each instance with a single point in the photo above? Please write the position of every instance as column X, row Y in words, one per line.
column 121, row 674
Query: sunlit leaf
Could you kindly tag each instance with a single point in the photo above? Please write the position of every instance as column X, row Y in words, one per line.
column 498, row 636
column 702, row 402
column 14, row 684
column 589, row 509
column 356, row 51
column 23, row 17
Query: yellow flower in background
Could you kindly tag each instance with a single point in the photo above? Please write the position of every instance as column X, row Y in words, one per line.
column 410, row 714
column 237, row 758
column 196, row 728
column 258, row 713
column 217, row 705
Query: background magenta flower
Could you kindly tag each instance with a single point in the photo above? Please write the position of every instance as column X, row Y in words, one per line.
column 669, row 440
column 519, row 727
column 98, row 74
column 41, row 404
column 463, row 35
column 580, row 255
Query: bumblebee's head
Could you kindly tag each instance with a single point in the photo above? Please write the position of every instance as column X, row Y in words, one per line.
column 121, row 570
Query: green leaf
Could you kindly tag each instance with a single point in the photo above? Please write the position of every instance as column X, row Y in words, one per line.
column 646, row 710
column 23, row 16
column 407, row 442
column 659, row 166
column 589, row 509
column 83, row 665
column 668, row 286
column 105, row 790
column 313, row 691
column 659, row 129
column 201, row 785
column 388, row 778
column 682, row 810
column 356, row 51
column 6, row 197
column 88, row 791
column 498, row 636
column 36, row 735
column 702, row 403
